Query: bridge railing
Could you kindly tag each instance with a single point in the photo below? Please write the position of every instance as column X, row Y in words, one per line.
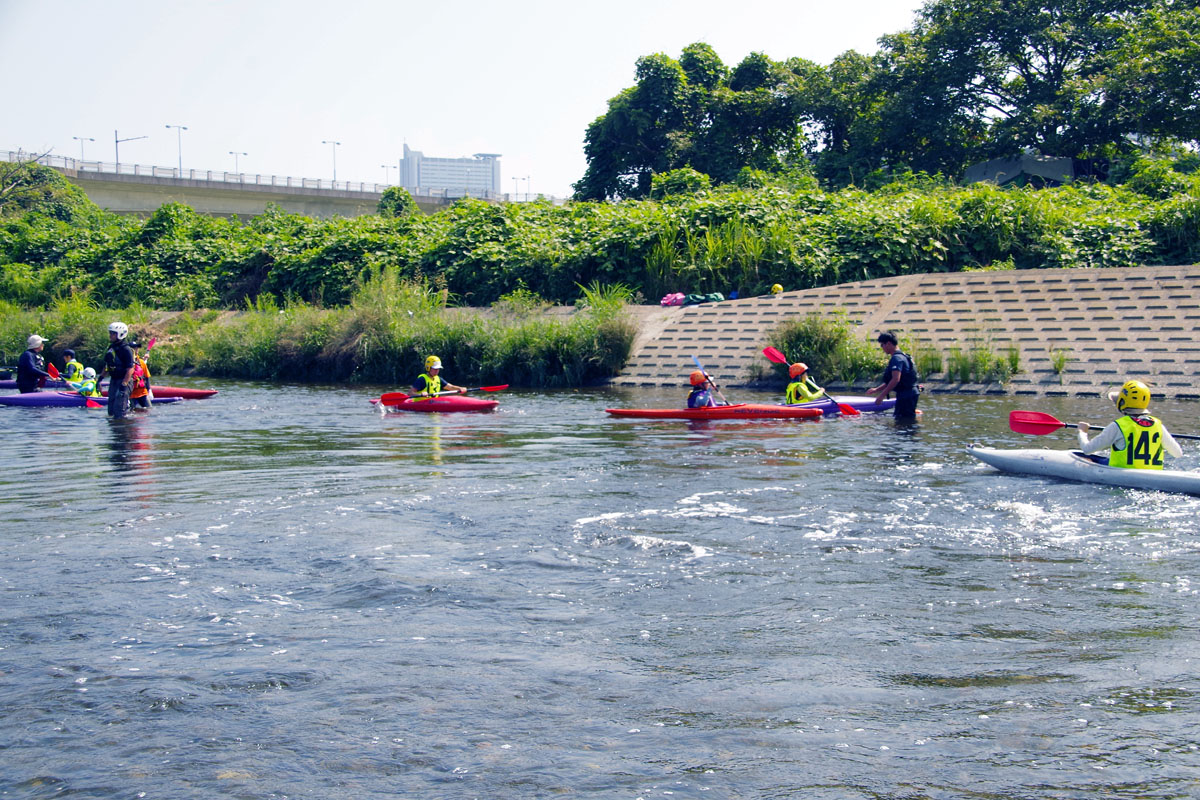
column 76, row 166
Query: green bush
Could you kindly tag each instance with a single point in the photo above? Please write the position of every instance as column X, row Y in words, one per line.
column 828, row 347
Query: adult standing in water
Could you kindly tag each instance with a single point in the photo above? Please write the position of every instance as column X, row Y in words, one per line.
column 31, row 366
column 900, row 376
column 118, row 363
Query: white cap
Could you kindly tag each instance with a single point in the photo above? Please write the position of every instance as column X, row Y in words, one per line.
column 34, row 341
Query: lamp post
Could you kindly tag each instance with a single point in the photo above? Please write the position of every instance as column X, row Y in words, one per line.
column 235, row 155
column 528, row 188
column 386, row 167
column 81, row 140
column 514, row 189
column 179, row 129
column 335, row 147
column 117, row 147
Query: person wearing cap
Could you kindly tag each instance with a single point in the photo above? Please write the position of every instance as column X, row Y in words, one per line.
column 701, row 395
column 72, row 370
column 430, row 384
column 118, row 363
column 31, row 366
column 802, row 389
column 86, row 385
column 140, row 394
column 1136, row 439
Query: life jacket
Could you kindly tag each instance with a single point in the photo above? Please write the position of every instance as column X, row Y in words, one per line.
column 804, row 390
column 908, row 377
column 1143, row 443
column 86, row 388
column 432, row 385
column 141, row 378
column 73, row 371
column 699, row 398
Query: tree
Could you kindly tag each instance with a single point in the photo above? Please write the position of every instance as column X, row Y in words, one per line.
column 397, row 202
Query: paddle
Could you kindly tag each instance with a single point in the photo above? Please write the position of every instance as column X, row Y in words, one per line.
column 1039, row 424
column 396, row 398
column 53, row 370
column 779, row 358
column 708, row 378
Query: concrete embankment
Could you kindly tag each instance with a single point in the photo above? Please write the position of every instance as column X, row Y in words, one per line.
column 1078, row 331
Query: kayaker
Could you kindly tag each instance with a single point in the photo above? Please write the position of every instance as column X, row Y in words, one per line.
column 802, row 389
column 899, row 375
column 118, row 363
column 701, row 395
column 430, row 384
column 86, row 386
column 1136, row 439
column 140, row 394
column 72, row 370
column 31, row 366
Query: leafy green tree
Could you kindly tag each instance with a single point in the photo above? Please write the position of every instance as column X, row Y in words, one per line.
column 397, row 202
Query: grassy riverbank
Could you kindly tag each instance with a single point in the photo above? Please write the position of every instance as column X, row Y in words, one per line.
column 381, row 336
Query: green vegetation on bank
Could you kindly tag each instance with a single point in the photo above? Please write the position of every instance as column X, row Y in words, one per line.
column 743, row 238
column 381, row 336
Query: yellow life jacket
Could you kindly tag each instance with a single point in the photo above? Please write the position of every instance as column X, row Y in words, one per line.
column 86, row 388
column 432, row 385
column 1143, row 443
column 803, row 391
column 72, row 371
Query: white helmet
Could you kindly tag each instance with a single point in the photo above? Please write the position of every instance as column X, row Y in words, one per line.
column 88, row 373
column 120, row 329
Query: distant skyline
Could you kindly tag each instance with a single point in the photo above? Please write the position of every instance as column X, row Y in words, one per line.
column 267, row 86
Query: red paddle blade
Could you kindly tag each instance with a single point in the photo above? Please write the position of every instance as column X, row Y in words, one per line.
column 150, row 344
column 92, row 403
column 53, row 370
column 392, row 398
column 499, row 388
column 848, row 410
column 1034, row 422
column 774, row 355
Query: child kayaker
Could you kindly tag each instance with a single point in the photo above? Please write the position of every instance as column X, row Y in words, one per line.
column 1136, row 439
column 701, row 394
column 86, row 386
column 430, row 384
column 802, row 389
column 72, row 370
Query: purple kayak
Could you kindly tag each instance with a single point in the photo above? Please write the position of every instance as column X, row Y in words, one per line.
column 63, row 399
column 861, row 403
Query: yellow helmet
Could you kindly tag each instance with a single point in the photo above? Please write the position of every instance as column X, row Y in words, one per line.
column 433, row 362
column 776, row 289
column 1134, row 395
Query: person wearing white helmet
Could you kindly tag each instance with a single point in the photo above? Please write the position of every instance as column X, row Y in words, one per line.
column 1136, row 440
column 87, row 386
column 118, row 363
column 430, row 384
column 31, row 366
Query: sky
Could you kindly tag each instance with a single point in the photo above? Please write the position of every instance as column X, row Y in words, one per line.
column 271, row 80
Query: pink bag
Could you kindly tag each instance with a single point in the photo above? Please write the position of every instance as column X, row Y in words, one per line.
column 673, row 299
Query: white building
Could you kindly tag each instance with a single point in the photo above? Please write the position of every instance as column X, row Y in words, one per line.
column 478, row 176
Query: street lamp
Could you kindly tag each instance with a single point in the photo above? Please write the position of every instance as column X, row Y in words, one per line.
column 335, row 147
column 514, row 189
column 81, row 140
column 386, row 167
column 528, row 188
column 235, row 155
column 117, row 147
column 179, row 129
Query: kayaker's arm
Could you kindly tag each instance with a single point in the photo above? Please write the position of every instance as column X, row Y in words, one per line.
column 1170, row 445
column 1110, row 438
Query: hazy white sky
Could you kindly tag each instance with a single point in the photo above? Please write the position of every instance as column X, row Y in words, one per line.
column 273, row 78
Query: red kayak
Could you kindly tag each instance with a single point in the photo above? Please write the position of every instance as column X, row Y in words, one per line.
column 447, row 403
column 176, row 391
column 737, row 411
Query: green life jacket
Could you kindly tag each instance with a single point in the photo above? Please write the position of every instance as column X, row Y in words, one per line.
column 72, row 371
column 804, row 390
column 432, row 385
column 1143, row 443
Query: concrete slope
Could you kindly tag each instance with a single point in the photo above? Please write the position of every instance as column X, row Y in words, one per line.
column 1105, row 324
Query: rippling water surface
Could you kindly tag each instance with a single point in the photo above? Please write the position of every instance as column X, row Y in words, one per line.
column 279, row 593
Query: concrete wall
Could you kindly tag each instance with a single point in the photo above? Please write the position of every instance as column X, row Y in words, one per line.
column 142, row 195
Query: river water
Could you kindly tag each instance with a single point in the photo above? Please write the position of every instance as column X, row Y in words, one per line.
column 279, row 593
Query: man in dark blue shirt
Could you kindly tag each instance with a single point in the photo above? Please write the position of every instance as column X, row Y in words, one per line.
column 900, row 375
column 31, row 367
column 118, row 363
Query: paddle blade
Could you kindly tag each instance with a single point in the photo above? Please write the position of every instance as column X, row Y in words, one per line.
column 499, row 388
column 1034, row 422
column 92, row 403
column 848, row 410
column 392, row 398
column 53, row 370
column 775, row 355
column 151, row 343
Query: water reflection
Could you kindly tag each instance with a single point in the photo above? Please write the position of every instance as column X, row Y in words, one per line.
column 131, row 453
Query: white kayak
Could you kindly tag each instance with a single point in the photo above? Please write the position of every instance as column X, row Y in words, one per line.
column 1073, row 465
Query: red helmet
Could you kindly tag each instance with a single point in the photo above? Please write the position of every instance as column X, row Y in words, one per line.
column 797, row 369
column 698, row 378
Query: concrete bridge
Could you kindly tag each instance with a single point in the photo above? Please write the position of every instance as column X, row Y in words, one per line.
column 139, row 190
column 1077, row 331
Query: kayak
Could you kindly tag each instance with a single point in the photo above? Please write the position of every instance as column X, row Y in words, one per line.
column 1073, row 465
column 63, row 399
column 860, row 403
column 159, row 391
column 737, row 411
column 442, row 404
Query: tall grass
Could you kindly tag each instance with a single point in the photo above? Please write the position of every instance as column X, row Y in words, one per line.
column 828, row 346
